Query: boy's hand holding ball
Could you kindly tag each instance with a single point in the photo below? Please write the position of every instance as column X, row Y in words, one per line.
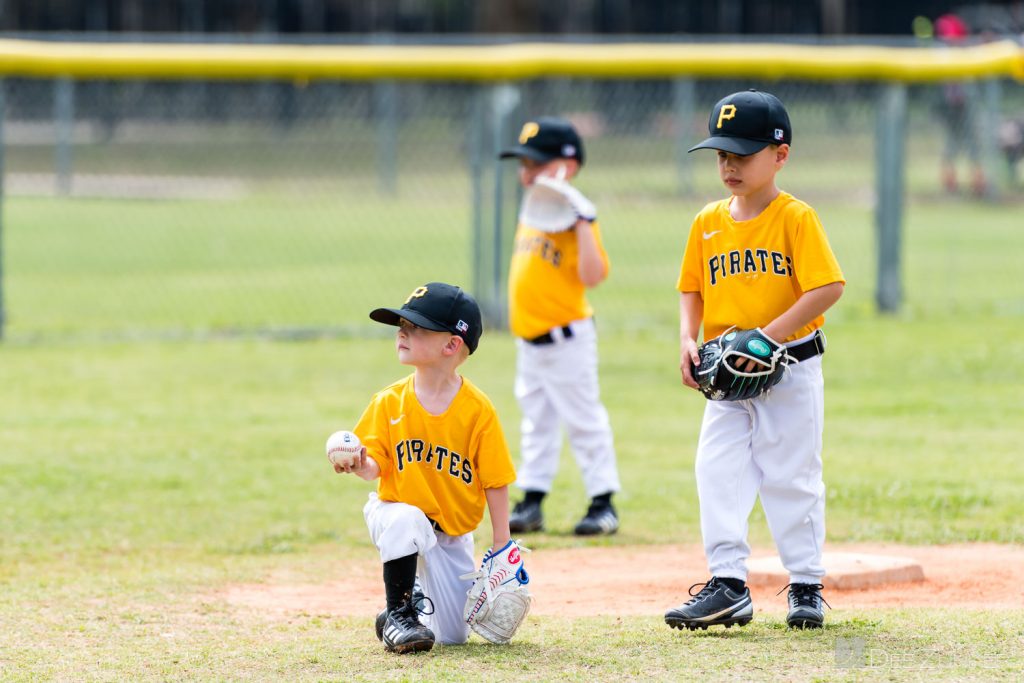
column 345, row 451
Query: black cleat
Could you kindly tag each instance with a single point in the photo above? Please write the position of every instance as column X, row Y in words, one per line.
column 600, row 519
column 403, row 632
column 419, row 601
column 715, row 604
column 526, row 516
column 806, row 606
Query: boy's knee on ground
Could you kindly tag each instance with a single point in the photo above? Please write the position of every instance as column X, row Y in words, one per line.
column 453, row 639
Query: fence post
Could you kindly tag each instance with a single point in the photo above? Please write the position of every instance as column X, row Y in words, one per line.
column 477, row 148
column 890, row 143
column 385, row 95
column 64, row 121
column 505, row 101
column 988, row 129
column 683, row 96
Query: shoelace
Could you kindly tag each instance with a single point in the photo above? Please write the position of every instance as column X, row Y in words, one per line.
column 418, row 598
column 408, row 614
column 419, row 604
column 706, row 589
column 804, row 594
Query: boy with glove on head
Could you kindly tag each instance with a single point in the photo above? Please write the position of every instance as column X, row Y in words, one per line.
column 558, row 255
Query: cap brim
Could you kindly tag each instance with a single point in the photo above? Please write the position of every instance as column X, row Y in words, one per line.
column 524, row 151
column 391, row 316
column 739, row 146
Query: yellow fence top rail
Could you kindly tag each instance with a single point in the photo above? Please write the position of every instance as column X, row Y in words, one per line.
column 36, row 58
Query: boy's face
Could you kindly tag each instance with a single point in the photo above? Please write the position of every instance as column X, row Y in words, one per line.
column 529, row 169
column 419, row 346
column 747, row 175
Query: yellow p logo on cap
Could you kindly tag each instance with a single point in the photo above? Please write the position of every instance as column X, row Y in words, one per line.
column 727, row 112
column 417, row 293
column 529, row 130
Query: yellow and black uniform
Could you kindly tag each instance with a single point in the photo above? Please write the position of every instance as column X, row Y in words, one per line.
column 544, row 288
column 765, row 447
column 750, row 272
column 556, row 381
column 440, row 464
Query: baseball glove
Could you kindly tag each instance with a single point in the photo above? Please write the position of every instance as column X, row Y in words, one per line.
column 553, row 205
column 718, row 375
column 498, row 601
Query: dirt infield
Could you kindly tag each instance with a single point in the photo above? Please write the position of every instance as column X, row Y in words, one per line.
column 650, row 579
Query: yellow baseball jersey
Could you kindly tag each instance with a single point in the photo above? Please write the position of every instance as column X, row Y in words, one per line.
column 438, row 463
column 544, row 287
column 750, row 272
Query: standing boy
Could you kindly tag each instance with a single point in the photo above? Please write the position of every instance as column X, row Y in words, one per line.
column 435, row 442
column 556, row 371
column 758, row 261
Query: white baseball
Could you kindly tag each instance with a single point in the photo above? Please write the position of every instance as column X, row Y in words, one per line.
column 343, row 449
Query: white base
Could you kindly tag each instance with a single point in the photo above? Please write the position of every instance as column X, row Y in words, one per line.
column 844, row 571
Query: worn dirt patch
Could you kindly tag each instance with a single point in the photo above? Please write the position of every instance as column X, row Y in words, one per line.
column 647, row 580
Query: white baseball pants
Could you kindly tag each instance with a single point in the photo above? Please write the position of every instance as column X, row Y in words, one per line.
column 557, row 383
column 398, row 530
column 768, row 446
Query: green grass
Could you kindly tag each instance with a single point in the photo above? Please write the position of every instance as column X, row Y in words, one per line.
column 136, row 479
column 204, row 642
column 78, row 268
column 216, row 446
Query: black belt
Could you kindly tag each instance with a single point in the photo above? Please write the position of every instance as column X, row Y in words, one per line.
column 437, row 527
column 815, row 346
column 546, row 338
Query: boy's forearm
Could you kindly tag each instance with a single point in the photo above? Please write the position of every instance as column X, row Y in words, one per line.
column 592, row 270
column 369, row 471
column 809, row 306
column 691, row 315
column 497, row 506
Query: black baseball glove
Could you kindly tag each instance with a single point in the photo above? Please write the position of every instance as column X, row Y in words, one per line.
column 718, row 376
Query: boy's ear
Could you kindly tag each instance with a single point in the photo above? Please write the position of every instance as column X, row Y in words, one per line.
column 454, row 344
column 782, row 153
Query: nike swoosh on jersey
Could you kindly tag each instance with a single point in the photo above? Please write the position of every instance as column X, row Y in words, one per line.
column 396, row 420
column 709, row 235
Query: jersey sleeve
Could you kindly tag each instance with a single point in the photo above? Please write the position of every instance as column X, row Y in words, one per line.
column 691, row 271
column 493, row 460
column 372, row 430
column 814, row 263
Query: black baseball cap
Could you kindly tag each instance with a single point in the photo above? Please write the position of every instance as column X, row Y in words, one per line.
column 545, row 139
column 746, row 122
column 440, row 307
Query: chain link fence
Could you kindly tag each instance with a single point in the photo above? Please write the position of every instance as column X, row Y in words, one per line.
column 149, row 209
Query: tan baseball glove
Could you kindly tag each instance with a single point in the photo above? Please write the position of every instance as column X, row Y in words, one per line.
column 498, row 601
